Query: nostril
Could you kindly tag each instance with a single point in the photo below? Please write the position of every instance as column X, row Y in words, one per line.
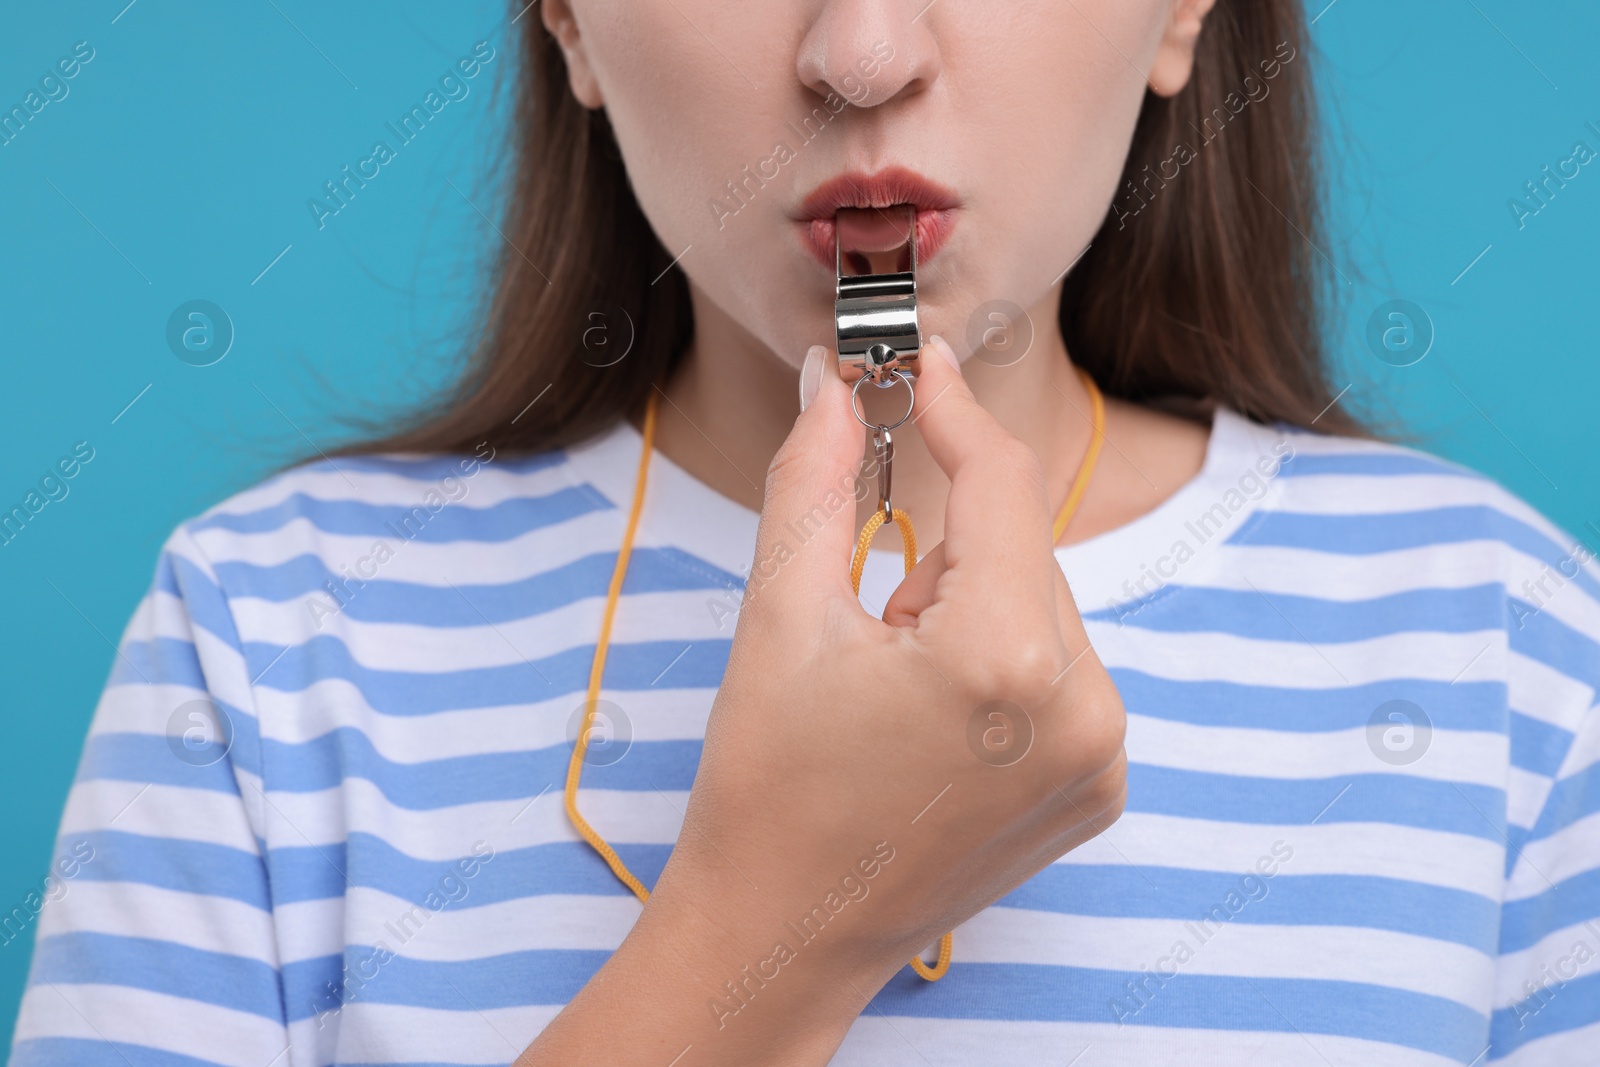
column 868, row 52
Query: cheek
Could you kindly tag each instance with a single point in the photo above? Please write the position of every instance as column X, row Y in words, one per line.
column 1043, row 111
column 695, row 91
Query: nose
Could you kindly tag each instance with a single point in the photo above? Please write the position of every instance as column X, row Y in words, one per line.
column 870, row 51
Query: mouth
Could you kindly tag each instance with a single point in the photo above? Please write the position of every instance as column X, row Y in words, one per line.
column 896, row 187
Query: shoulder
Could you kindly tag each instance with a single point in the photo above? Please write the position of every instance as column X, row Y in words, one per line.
column 335, row 504
column 395, row 529
column 1409, row 530
column 1363, row 497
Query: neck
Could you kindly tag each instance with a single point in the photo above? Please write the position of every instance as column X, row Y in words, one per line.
column 733, row 401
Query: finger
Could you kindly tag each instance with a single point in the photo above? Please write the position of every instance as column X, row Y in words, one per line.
column 807, row 531
column 915, row 593
column 997, row 517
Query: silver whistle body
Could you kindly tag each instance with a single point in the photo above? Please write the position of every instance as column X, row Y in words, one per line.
column 875, row 301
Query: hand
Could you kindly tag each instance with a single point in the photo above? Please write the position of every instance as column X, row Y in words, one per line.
column 848, row 808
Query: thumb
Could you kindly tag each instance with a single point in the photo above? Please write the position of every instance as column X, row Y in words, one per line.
column 807, row 530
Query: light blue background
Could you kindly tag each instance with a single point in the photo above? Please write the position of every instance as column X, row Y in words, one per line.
column 179, row 165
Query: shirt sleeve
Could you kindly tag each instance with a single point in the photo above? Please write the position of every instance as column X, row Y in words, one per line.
column 1547, row 990
column 155, row 938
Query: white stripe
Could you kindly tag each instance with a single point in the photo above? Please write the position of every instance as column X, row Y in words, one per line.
column 1572, row 1047
column 1305, row 572
column 1566, row 853
column 1542, row 692
column 875, row 1040
column 678, row 618
column 129, row 909
column 164, row 811
column 526, row 555
column 1171, row 947
column 1429, row 857
column 557, row 921
column 1555, row 959
column 1460, row 756
column 1584, row 755
column 442, row 835
column 1294, row 663
column 452, row 1032
column 1526, row 793
column 662, row 714
column 123, row 1015
column 490, row 483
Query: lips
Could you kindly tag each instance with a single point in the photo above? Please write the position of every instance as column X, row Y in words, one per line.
column 935, row 204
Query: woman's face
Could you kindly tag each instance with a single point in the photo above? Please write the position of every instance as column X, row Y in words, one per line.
column 745, row 124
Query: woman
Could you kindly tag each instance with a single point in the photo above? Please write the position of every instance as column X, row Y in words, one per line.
column 1359, row 807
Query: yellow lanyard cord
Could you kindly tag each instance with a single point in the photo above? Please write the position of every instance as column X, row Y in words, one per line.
column 858, row 563
column 908, row 538
column 1091, row 456
column 597, row 670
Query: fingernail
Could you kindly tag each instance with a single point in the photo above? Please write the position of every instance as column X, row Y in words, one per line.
column 811, row 375
column 946, row 351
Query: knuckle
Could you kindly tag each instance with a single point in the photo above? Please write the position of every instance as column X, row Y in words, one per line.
column 1111, row 799
column 1111, row 787
column 1087, row 743
column 1024, row 671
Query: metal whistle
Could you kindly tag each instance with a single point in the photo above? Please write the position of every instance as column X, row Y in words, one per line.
column 875, row 301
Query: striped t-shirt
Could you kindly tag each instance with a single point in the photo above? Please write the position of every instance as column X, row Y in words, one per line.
column 318, row 819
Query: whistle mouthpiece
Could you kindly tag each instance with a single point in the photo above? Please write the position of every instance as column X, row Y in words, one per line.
column 875, row 300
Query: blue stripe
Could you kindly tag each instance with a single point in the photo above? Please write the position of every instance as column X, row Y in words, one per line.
column 1545, row 639
column 650, row 570
column 1567, row 1006
column 150, row 758
column 1369, row 902
column 84, row 1052
column 204, row 603
column 568, row 867
column 323, row 763
column 390, row 692
column 166, row 579
column 1008, row 992
column 1572, row 798
column 172, row 863
column 1570, row 902
column 512, row 980
column 1288, row 617
column 326, row 761
column 1370, row 533
column 161, row 967
column 1537, row 746
column 458, row 522
column 1392, row 799
column 297, row 873
column 1463, row 706
column 1376, row 464
column 158, row 661
column 1204, row 1002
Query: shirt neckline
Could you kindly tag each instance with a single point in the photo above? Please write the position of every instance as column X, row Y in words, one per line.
column 1130, row 563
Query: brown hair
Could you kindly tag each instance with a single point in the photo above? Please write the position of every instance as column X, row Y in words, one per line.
column 1208, row 284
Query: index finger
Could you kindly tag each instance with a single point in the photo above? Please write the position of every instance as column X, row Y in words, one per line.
column 997, row 517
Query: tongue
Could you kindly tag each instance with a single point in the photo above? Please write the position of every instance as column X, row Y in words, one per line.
column 875, row 240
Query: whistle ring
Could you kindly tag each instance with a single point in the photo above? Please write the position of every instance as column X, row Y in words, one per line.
column 893, row 376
